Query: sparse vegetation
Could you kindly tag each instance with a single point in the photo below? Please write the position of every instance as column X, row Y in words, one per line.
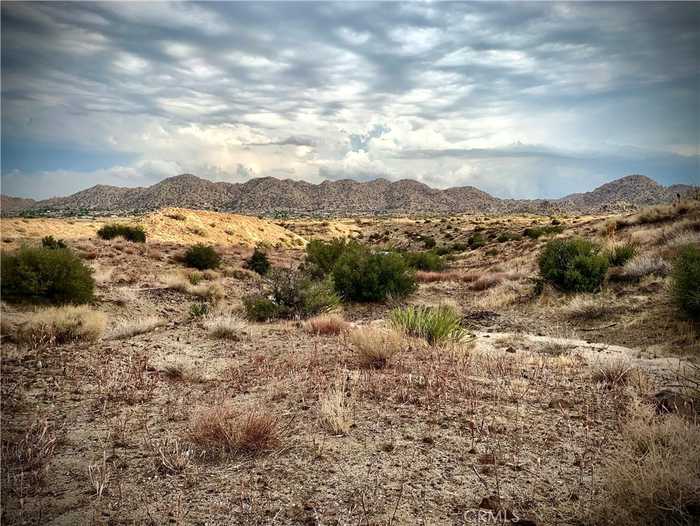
column 136, row 234
column 202, row 257
column 686, row 281
column 574, row 265
column 44, row 274
column 436, row 325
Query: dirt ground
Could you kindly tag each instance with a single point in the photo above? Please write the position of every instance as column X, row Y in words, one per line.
column 515, row 415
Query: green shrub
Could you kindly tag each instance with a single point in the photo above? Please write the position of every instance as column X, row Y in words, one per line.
column 130, row 233
column 258, row 262
column 321, row 256
column 202, row 257
column 53, row 244
column 459, row 247
column 260, row 308
column 476, row 240
column 574, row 265
column 424, row 261
column 198, row 310
column 621, row 254
column 46, row 274
column 504, row 237
column 539, row 231
column 685, row 281
column 436, row 325
column 360, row 275
column 292, row 294
column 428, row 242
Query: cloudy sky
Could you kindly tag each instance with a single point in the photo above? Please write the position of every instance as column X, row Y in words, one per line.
column 520, row 100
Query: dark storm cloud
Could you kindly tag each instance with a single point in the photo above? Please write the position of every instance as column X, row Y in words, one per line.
column 135, row 77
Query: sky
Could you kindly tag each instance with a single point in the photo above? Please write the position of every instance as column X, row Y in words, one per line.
column 521, row 100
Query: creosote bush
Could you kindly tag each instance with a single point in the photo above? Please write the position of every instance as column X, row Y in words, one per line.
column 258, row 262
column 425, row 260
column 476, row 240
column 436, row 325
column 45, row 274
column 618, row 255
column 362, row 275
column 573, row 265
column 685, row 281
column 321, row 256
column 50, row 242
column 291, row 294
column 539, row 231
column 130, row 233
column 202, row 257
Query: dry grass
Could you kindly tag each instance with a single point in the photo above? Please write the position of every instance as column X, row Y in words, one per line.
column 212, row 291
column 645, row 265
column 326, row 325
column 221, row 430
column 59, row 325
column 335, row 410
column 498, row 297
column 26, row 459
column 171, row 455
column 125, row 296
column 613, row 372
column 587, row 307
column 227, row 326
column 374, row 348
column 432, row 277
column 127, row 328
column 652, row 477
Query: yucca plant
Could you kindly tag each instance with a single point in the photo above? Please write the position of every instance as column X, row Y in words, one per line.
column 436, row 325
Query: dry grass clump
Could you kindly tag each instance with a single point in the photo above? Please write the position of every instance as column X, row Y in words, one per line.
column 181, row 370
column 211, row 291
column 326, row 325
column 587, row 307
column 375, row 348
column 125, row 296
column 498, row 297
column 424, row 276
column 652, row 477
column 127, row 328
column 491, row 279
column 613, row 372
column 59, row 325
column 172, row 456
column 226, row 326
column 26, row 459
column 335, row 410
column 221, row 430
column 645, row 265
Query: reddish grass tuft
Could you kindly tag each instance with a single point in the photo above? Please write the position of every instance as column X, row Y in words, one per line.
column 326, row 325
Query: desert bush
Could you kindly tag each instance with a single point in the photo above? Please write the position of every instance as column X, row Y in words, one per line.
column 220, row 430
column 539, row 231
column 573, row 265
column 476, row 240
column 258, row 262
column 135, row 326
column 44, row 274
column 652, row 476
column 199, row 310
column 459, row 247
column 50, row 242
column 620, row 254
column 436, row 325
column 504, row 237
column 130, row 233
column 426, row 261
column 375, row 348
column 292, row 294
column 613, row 372
column 59, row 325
column 685, row 281
column 326, row 325
column 202, row 257
column 428, row 242
column 321, row 256
column 360, row 275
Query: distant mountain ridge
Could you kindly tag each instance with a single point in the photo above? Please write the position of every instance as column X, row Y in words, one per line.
column 268, row 195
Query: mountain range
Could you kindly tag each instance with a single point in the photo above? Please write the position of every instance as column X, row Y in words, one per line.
column 268, row 195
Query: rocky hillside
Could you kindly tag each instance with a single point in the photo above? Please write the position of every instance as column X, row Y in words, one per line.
column 268, row 195
column 15, row 204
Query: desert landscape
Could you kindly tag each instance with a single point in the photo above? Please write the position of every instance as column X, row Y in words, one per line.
column 484, row 392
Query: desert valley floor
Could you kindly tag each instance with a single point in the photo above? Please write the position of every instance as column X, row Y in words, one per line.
column 530, row 418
